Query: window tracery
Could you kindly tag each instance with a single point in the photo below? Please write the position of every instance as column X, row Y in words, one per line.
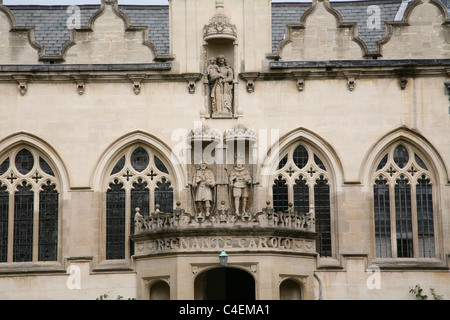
column 403, row 205
column 302, row 179
column 29, row 205
column 138, row 179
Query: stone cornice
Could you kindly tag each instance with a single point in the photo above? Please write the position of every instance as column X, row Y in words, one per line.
column 364, row 68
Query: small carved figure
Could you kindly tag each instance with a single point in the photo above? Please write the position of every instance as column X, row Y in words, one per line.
column 221, row 79
column 138, row 221
column 240, row 181
column 203, row 183
column 311, row 219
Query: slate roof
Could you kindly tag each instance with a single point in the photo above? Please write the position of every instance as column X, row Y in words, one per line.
column 51, row 30
column 289, row 13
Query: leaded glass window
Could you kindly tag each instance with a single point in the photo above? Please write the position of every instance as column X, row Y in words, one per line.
column 138, row 179
column 403, row 205
column 48, row 222
column 115, row 221
column 303, row 180
column 23, row 223
column 4, row 213
column 29, row 204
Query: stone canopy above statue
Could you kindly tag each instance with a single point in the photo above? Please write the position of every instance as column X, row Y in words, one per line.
column 219, row 26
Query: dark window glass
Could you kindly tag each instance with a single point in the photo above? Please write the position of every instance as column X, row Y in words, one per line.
column 4, row 214
column 403, row 219
column 160, row 165
column 24, row 161
column 46, row 167
column 280, row 195
column 300, row 157
column 401, row 156
column 4, row 167
column 382, row 163
column 23, row 224
column 424, row 196
column 164, row 196
column 140, row 198
column 115, row 221
column 420, row 162
column 48, row 223
column 319, row 163
column 323, row 219
column 382, row 219
column 301, row 196
column 283, row 162
column 140, row 159
column 119, row 166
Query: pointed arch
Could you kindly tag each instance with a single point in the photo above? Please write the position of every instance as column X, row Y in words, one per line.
column 279, row 147
column 404, row 172
column 426, row 149
column 312, row 158
column 33, row 177
column 42, row 147
column 110, row 156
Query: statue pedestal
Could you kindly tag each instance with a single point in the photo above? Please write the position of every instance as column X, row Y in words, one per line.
column 222, row 115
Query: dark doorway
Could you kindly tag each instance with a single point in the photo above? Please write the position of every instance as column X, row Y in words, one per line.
column 225, row 284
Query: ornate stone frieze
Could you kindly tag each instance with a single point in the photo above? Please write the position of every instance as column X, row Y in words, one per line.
column 225, row 218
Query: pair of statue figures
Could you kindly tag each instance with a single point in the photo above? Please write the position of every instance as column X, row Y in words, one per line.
column 220, row 77
column 204, row 182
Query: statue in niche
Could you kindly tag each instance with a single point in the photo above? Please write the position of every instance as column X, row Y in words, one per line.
column 203, row 184
column 220, row 77
column 240, row 182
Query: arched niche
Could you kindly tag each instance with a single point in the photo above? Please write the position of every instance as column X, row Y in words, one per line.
column 160, row 290
column 290, row 290
column 219, row 44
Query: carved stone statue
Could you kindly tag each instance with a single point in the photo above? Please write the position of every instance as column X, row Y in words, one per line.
column 220, row 77
column 203, row 183
column 240, row 181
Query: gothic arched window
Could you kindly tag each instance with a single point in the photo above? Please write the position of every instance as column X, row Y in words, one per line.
column 403, row 205
column 139, row 179
column 29, row 207
column 303, row 180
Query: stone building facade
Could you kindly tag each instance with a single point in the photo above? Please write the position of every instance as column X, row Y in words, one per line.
column 309, row 142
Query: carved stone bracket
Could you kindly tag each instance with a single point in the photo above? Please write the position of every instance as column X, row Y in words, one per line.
column 403, row 76
column 137, row 82
column 22, row 83
column 192, row 79
column 447, row 85
column 250, row 78
column 403, row 82
column 80, row 84
column 351, row 80
column 300, row 78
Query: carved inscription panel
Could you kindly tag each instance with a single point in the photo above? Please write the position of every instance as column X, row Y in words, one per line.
column 213, row 244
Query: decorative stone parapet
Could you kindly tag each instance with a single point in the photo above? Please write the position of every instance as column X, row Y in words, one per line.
column 224, row 218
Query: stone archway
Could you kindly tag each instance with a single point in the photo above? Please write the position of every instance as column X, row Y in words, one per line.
column 224, row 284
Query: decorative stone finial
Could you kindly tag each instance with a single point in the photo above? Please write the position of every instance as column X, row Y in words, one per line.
column 219, row 4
